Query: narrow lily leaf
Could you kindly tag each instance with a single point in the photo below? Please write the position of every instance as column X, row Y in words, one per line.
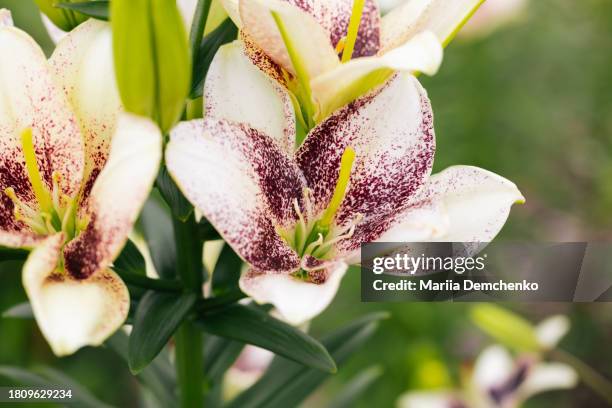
column 158, row 377
column 52, row 379
column 10, row 254
column 505, row 327
column 219, row 355
column 157, row 318
column 287, row 384
column 130, row 261
column 353, row 391
column 95, row 8
column 253, row 326
column 207, row 231
column 223, row 34
column 155, row 223
column 227, row 272
column 19, row 311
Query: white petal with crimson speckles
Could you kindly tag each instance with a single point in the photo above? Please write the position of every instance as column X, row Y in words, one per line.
column 241, row 181
column 349, row 81
column 443, row 17
column 334, row 16
column 391, row 131
column 476, row 201
column 297, row 301
column 117, row 195
column 309, row 39
column 238, row 91
column 72, row 313
column 30, row 98
column 83, row 65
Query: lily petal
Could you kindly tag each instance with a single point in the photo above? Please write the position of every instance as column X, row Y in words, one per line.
column 493, row 366
column 477, row 202
column 429, row 399
column 308, row 38
column 443, row 17
column 551, row 330
column 117, row 196
column 548, row 376
column 297, row 301
column 334, row 16
column 83, row 66
column 236, row 90
column 391, row 132
column 240, row 180
column 349, row 81
column 30, row 98
column 72, row 313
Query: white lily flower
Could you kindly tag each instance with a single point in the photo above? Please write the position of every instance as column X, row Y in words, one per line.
column 298, row 218
column 298, row 43
column 66, row 191
column 493, row 15
column 498, row 381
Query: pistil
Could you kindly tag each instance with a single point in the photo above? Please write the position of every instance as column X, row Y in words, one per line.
column 353, row 30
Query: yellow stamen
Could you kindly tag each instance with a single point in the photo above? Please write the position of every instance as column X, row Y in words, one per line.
column 340, row 45
column 353, row 30
column 346, row 166
column 42, row 195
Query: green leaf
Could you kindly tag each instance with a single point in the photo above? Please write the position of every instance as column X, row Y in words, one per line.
column 353, row 391
column 157, row 318
column 207, row 231
column 287, row 384
column 505, row 327
column 93, row 8
column 223, row 34
column 219, row 355
column 49, row 378
column 159, row 377
column 130, row 261
column 227, row 272
column 254, row 326
column 19, row 311
column 10, row 254
column 155, row 223
column 179, row 205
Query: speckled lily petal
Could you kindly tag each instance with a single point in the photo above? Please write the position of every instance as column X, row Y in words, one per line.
column 349, row 81
column 334, row 16
column 310, row 40
column 476, row 201
column 30, row 98
column 391, row 132
column 117, row 196
column 72, row 313
column 297, row 301
column 443, row 17
column 236, row 90
column 240, row 180
column 83, row 66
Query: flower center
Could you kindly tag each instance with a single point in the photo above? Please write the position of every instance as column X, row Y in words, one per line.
column 55, row 211
column 317, row 237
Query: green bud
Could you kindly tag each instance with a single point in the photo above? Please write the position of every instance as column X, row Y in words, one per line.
column 505, row 327
column 62, row 18
column 152, row 61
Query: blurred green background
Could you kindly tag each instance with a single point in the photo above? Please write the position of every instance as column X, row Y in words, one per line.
column 531, row 102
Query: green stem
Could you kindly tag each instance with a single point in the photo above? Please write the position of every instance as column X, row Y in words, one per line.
column 188, row 338
column 590, row 377
column 198, row 25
